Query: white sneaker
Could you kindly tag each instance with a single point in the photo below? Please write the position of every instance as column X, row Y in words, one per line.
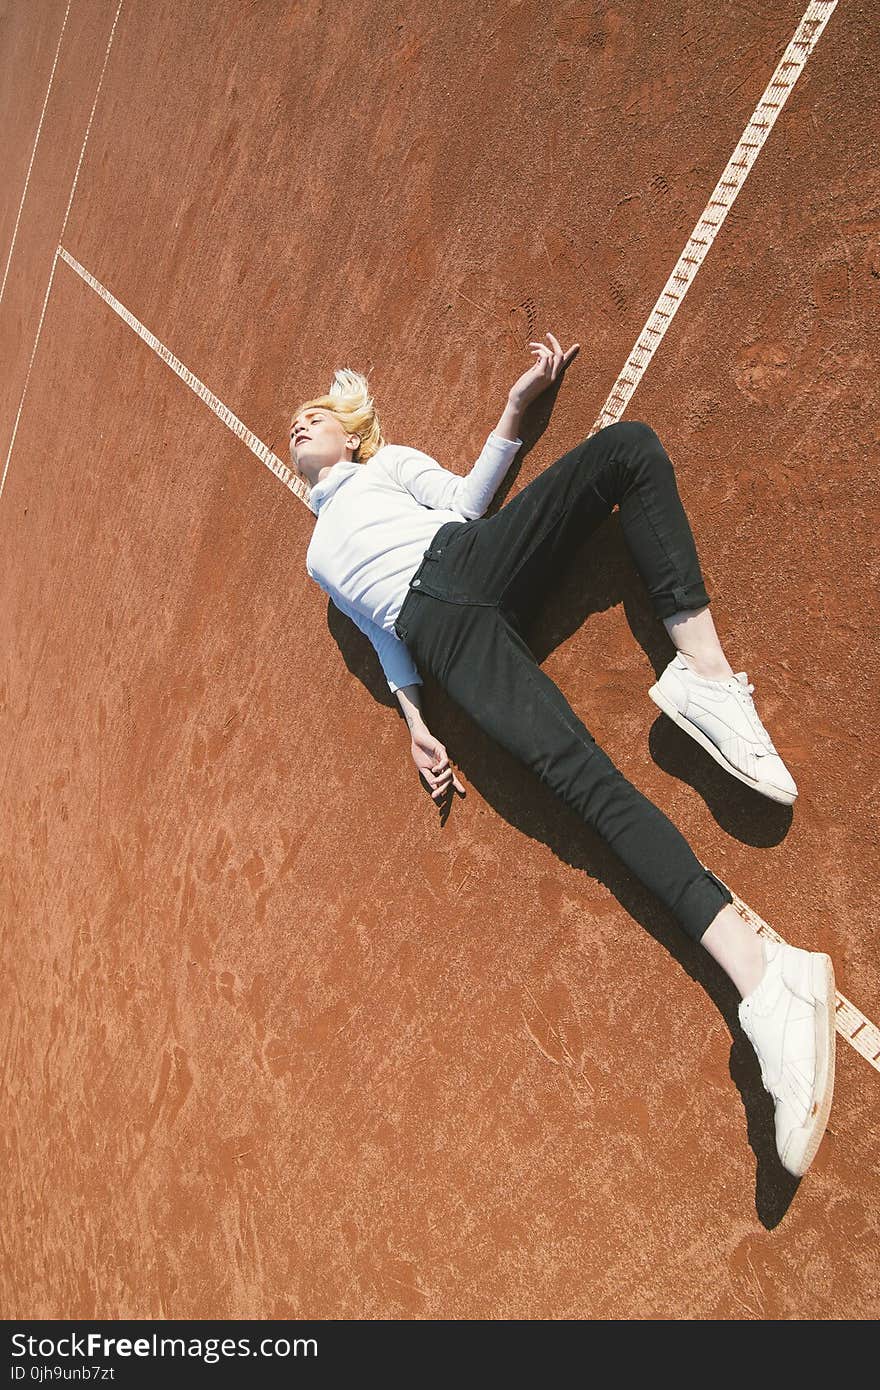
column 790, row 1021
column 721, row 716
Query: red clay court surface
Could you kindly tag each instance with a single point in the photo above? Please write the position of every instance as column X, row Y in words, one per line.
column 280, row 1039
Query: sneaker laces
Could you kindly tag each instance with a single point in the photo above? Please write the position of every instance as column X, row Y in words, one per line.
column 745, row 690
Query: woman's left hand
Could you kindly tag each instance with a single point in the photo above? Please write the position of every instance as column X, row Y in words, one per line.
column 550, row 362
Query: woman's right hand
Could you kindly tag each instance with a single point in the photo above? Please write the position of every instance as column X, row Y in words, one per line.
column 551, row 363
column 433, row 762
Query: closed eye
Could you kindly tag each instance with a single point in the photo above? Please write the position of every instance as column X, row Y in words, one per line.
column 307, row 418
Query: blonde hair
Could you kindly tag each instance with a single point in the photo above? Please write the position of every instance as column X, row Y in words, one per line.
column 350, row 401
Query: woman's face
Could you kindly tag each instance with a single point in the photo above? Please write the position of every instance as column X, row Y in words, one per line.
column 317, row 440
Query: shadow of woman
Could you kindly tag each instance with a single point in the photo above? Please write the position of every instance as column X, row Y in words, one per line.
column 600, row 576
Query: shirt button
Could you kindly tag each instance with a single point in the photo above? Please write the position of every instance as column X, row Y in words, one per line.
column 417, row 581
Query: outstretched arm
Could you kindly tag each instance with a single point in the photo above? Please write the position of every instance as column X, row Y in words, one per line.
column 469, row 495
column 428, row 753
column 438, row 487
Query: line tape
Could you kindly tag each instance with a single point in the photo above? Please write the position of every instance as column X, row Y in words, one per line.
column 262, row 451
column 33, row 153
column 728, row 187
column 851, row 1023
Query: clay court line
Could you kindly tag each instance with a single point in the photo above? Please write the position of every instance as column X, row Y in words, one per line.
column 55, row 257
column 263, row 453
column 33, row 152
column 724, row 195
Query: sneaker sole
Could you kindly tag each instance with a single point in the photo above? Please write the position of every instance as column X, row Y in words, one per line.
column 823, row 989
column 765, row 788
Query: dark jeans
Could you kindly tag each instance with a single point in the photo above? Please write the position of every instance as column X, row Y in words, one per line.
column 478, row 579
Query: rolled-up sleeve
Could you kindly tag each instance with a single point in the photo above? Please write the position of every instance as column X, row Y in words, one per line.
column 394, row 655
column 469, row 496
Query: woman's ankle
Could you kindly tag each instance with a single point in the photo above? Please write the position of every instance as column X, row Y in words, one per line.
column 737, row 949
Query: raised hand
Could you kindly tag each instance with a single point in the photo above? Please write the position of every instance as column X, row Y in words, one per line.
column 550, row 362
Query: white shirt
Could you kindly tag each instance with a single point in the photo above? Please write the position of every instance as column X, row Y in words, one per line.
column 375, row 522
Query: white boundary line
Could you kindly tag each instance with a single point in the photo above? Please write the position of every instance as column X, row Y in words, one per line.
column 55, row 257
column 256, row 446
column 33, row 153
column 776, row 94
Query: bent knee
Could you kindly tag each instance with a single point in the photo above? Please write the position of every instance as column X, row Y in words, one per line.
column 637, row 433
column 642, row 446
